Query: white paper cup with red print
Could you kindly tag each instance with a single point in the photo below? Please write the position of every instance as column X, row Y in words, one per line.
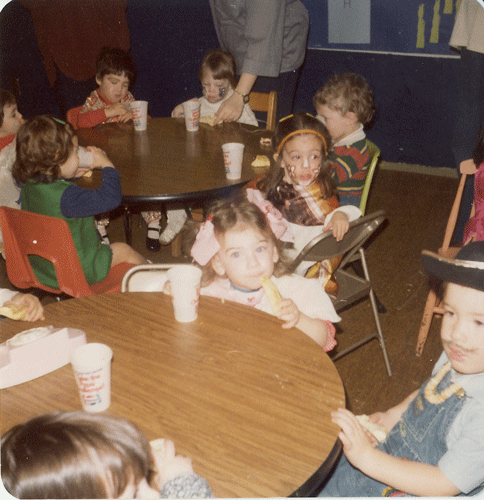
column 191, row 110
column 185, row 291
column 91, row 364
column 140, row 114
column 233, row 155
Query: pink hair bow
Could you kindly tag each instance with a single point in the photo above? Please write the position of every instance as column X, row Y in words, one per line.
column 278, row 224
column 206, row 245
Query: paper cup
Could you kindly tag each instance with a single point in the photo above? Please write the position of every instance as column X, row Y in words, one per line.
column 191, row 110
column 140, row 114
column 86, row 158
column 233, row 155
column 185, row 291
column 91, row 364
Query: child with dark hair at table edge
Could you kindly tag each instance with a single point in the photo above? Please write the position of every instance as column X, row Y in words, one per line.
column 110, row 102
column 87, row 455
column 10, row 121
column 434, row 444
column 47, row 161
column 345, row 105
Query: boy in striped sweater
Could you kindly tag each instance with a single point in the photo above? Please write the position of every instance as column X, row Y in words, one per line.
column 345, row 105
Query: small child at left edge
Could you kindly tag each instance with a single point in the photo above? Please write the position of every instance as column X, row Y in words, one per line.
column 10, row 122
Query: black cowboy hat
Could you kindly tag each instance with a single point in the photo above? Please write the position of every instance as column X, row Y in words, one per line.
column 467, row 269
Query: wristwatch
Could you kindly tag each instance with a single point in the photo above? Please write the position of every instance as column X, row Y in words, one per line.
column 245, row 97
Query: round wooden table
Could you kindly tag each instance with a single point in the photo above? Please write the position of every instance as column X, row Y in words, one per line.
column 167, row 164
column 248, row 401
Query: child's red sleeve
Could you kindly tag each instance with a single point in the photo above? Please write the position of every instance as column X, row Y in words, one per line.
column 90, row 119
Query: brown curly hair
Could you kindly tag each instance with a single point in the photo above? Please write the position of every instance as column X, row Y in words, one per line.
column 347, row 92
column 227, row 214
column 43, row 144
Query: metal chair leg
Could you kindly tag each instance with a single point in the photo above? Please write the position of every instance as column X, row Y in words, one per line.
column 375, row 314
column 358, row 268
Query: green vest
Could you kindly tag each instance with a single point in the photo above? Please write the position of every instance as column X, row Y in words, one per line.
column 95, row 257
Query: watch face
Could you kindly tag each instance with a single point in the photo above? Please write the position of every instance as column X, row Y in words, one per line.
column 246, row 98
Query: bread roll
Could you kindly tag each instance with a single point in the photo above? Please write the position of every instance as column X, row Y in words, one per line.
column 378, row 431
column 208, row 119
column 261, row 161
column 13, row 311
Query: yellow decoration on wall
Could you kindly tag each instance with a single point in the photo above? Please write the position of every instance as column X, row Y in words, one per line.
column 421, row 27
column 448, row 6
column 434, row 32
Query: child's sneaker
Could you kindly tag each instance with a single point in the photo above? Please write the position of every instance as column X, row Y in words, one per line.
column 152, row 242
column 176, row 219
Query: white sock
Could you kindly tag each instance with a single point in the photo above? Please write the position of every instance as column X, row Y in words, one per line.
column 104, row 234
column 154, row 230
column 176, row 219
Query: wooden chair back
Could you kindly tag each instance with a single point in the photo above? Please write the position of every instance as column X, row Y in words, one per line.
column 266, row 103
column 432, row 305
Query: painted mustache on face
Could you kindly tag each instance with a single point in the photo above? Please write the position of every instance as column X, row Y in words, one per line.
column 292, row 173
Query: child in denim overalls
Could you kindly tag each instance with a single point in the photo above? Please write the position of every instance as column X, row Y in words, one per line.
column 435, row 443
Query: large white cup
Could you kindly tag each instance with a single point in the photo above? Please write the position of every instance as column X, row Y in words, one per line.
column 191, row 110
column 91, row 364
column 86, row 158
column 140, row 114
column 233, row 155
column 185, row 291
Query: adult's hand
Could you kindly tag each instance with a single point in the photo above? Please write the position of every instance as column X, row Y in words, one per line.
column 231, row 109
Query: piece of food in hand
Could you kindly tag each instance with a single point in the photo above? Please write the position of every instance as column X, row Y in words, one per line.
column 88, row 173
column 378, row 431
column 158, row 447
column 273, row 294
column 13, row 311
column 208, row 119
column 266, row 141
column 261, row 161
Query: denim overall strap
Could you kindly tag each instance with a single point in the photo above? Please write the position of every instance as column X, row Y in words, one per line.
column 419, row 436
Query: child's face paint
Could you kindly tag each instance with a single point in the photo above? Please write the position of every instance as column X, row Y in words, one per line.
column 301, row 159
column 214, row 90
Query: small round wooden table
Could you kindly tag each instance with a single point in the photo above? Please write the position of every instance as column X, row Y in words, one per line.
column 248, row 401
column 167, row 164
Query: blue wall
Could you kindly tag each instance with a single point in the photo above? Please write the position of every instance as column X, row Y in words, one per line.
column 414, row 95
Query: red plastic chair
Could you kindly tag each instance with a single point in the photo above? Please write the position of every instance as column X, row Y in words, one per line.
column 73, row 116
column 27, row 233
